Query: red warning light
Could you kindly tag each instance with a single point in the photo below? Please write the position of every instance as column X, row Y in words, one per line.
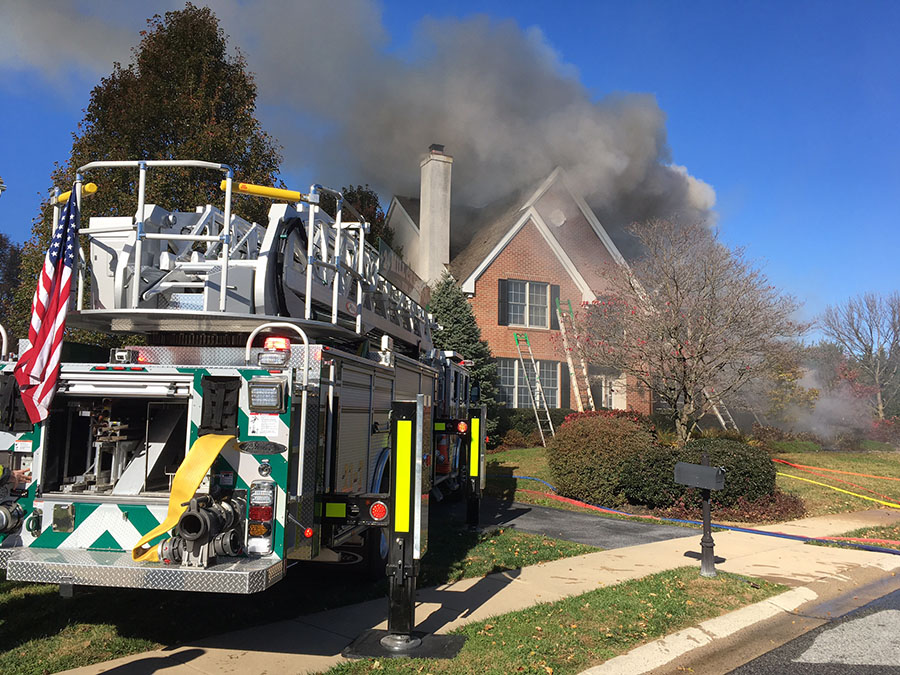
column 378, row 511
column 462, row 427
column 308, row 533
column 276, row 343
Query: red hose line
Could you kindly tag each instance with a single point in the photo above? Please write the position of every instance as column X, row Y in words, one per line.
column 821, row 468
column 846, row 482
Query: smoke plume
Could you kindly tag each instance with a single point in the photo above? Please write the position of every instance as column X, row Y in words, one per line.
column 348, row 109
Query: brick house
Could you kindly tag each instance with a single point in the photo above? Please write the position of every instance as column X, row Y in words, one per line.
column 514, row 259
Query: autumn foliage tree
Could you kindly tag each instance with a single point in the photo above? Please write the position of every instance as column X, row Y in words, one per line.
column 691, row 320
column 183, row 96
column 867, row 328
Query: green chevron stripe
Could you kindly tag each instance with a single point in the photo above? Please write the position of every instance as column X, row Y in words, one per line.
column 106, row 542
column 51, row 539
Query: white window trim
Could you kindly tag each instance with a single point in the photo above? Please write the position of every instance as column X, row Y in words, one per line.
column 516, row 376
column 528, row 304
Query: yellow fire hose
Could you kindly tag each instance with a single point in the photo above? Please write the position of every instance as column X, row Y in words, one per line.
column 187, row 479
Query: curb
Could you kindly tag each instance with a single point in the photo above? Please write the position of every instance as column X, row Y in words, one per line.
column 658, row 653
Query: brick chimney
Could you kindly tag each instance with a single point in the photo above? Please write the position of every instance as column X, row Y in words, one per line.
column 434, row 214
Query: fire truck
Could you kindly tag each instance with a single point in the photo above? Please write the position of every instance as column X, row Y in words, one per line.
column 285, row 402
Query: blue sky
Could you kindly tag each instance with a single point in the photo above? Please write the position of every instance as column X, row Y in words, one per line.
column 790, row 111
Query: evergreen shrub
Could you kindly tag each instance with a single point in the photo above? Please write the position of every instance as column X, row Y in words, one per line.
column 587, row 455
column 649, row 479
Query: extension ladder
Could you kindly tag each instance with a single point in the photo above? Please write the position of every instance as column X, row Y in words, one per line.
column 536, row 393
column 584, row 370
column 721, row 411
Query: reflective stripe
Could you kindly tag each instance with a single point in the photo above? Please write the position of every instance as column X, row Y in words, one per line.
column 404, row 469
column 187, row 479
column 474, row 447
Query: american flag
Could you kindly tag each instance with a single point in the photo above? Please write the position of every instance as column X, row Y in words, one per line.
column 38, row 368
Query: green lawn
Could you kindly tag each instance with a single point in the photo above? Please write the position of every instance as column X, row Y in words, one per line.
column 821, row 500
column 572, row 634
column 43, row 633
column 887, row 532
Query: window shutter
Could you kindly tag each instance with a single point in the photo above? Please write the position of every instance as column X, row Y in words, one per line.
column 502, row 303
column 554, row 300
column 564, row 386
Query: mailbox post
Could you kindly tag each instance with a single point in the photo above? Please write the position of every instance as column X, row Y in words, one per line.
column 706, row 478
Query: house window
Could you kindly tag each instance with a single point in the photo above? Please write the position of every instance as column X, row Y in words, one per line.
column 506, row 369
column 528, row 303
column 514, row 388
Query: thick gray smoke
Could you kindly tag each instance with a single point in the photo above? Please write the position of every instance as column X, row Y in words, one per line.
column 499, row 97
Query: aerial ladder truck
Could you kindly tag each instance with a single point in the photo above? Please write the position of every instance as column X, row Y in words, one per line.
column 285, row 403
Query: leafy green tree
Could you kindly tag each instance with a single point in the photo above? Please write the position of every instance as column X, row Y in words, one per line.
column 462, row 334
column 365, row 200
column 182, row 97
column 10, row 260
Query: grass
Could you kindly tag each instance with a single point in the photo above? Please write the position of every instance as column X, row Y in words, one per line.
column 502, row 484
column 888, row 532
column 821, row 500
column 43, row 633
column 795, row 446
column 876, row 446
column 570, row 635
column 503, row 466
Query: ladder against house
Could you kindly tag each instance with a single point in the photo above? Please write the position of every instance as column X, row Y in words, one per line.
column 721, row 410
column 573, row 374
column 535, row 392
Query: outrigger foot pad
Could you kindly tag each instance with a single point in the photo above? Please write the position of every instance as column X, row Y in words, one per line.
column 382, row 644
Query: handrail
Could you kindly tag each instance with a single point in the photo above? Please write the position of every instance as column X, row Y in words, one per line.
column 304, row 395
column 4, row 342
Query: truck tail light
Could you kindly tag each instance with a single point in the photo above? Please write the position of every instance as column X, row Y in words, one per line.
column 378, row 511
column 261, row 517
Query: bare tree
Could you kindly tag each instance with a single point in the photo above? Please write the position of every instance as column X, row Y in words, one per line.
column 691, row 320
column 868, row 329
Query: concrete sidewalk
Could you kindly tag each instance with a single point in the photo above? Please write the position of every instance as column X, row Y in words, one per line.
column 313, row 643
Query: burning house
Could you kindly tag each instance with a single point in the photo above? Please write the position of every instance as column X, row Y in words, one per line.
column 517, row 259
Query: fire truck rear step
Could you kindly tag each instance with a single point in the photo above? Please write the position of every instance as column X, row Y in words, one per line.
column 112, row 568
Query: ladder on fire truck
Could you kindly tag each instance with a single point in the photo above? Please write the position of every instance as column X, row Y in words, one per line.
column 572, row 373
column 535, row 393
column 209, row 271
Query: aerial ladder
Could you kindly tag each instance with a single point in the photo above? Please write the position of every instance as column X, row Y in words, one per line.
column 536, row 392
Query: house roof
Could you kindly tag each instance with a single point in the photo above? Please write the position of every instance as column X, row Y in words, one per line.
column 476, row 233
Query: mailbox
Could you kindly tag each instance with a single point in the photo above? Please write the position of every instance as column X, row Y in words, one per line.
column 700, row 476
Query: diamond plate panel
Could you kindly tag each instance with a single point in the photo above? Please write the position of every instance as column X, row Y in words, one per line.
column 104, row 568
column 4, row 556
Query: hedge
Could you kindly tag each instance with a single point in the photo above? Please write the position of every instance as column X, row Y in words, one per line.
column 649, row 479
column 587, row 455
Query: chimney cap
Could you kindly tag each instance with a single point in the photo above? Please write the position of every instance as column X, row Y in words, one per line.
column 436, row 147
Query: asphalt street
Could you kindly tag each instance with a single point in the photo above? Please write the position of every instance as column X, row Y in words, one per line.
column 865, row 641
column 583, row 528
